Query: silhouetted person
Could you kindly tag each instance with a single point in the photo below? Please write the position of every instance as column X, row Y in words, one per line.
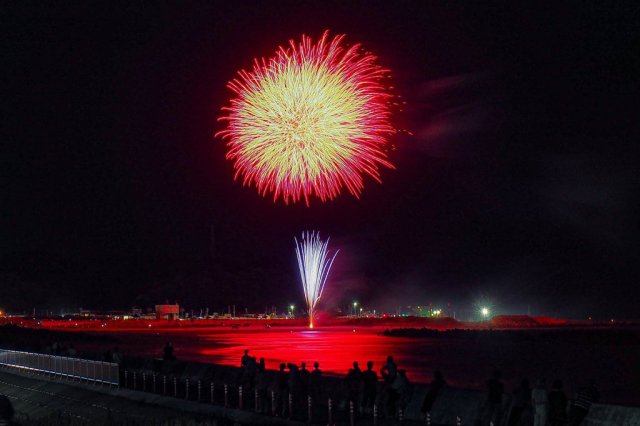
column 250, row 372
column 168, row 352
column 353, row 379
column 315, row 382
column 262, row 386
column 521, row 400
column 494, row 398
column 117, row 355
column 245, row 358
column 294, row 386
column 584, row 398
column 369, row 387
column 6, row 410
column 282, row 390
column 540, row 403
column 435, row 387
column 389, row 371
column 403, row 389
column 304, row 376
column 557, row 405
column 294, row 378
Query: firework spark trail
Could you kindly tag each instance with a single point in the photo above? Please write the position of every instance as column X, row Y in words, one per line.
column 314, row 264
column 309, row 121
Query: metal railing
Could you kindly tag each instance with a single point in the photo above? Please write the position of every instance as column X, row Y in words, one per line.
column 72, row 368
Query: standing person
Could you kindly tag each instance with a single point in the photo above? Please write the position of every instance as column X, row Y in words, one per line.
column 435, row 387
column 584, row 398
column 389, row 372
column 557, row 405
column 494, row 398
column 354, row 381
column 540, row 403
column 370, row 384
column 402, row 387
column 521, row 400
column 117, row 355
column 244, row 361
column 262, row 385
column 304, row 376
column 315, row 382
column 168, row 352
column 294, row 386
column 251, row 370
column 282, row 391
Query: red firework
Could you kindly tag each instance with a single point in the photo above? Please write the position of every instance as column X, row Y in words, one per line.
column 309, row 121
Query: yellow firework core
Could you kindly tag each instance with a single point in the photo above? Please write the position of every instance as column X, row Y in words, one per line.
column 301, row 122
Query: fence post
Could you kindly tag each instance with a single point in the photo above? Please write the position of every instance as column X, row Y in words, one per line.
column 375, row 414
column 226, row 396
column 240, row 397
column 213, row 400
column 175, row 387
column 330, row 410
column 352, row 419
column 273, row 403
column 164, row 385
column 199, row 391
column 135, row 381
column 290, row 405
column 144, row 382
column 186, row 389
column 154, row 382
column 126, row 378
column 309, row 409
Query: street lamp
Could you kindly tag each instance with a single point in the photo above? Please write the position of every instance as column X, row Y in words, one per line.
column 485, row 311
column 291, row 308
column 355, row 305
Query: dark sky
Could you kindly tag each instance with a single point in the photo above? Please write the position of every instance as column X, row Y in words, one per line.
column 518, row 188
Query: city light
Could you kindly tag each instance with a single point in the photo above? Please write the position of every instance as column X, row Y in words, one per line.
column 485, row 311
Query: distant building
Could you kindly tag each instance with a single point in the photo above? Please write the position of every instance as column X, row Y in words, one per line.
column 86, row 313
column 170, row 312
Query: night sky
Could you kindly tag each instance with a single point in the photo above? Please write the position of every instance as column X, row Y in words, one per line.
column 518, row 188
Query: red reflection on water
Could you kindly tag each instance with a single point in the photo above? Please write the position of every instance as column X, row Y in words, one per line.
column 334, row 348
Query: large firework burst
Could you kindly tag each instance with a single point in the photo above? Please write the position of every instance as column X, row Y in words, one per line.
column 314, row 264
column 309, row 121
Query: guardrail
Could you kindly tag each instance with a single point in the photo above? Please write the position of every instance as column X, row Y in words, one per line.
column 72, row 368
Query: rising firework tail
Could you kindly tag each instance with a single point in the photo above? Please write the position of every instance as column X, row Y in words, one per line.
column 310, row 121
column 314, row 263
